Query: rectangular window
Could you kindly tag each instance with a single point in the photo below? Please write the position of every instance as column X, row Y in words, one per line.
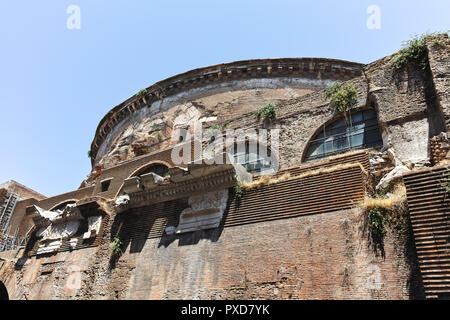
column 105, row 185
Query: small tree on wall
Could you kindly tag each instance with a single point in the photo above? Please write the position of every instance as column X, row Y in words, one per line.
column 343, row 97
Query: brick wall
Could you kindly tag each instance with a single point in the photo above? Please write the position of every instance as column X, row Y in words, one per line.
column 323, row 256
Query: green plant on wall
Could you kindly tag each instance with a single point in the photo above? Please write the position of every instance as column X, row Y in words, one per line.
column 415, row 50
column 225, row 123
column 343, row 96
column 376, row 221
column 116, row 247
column 141, row 93
column 445, row 183
column 238, row 190
column 267, row 113
column 157, row 134
column 89, row 153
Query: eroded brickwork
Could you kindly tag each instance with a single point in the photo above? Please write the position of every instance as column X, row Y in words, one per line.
column 313, row 257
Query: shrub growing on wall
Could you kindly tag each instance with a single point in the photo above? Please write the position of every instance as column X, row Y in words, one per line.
column 267, row 113
column 343, row 97
column 238, row 190
column 141, row 93
column 376, row 220
column 413, row 50
column 116, row 247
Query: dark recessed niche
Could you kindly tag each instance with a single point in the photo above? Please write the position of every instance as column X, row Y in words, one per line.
column 105, row 185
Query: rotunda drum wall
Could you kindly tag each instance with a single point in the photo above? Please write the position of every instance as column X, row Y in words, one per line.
column 154, row 125
column 146, row 121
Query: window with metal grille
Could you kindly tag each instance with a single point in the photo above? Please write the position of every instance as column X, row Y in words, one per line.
column 358, row 131
column 255, row 161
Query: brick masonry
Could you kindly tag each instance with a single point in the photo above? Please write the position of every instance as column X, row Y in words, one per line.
column 323, row 256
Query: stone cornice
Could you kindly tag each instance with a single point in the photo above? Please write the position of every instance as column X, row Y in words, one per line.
column 221, row 178
column 316, row 68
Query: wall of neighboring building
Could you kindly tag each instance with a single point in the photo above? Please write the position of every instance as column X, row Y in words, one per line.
column 25, row 192
column 18, row 221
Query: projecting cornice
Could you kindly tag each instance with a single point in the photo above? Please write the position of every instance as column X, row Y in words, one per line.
column 199, row 178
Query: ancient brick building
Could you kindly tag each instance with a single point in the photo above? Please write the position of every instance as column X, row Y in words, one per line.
column 292, row 222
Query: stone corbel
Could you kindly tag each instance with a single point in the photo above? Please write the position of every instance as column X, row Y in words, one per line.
column 132, row 185
column 151, row 180
column 177, row 173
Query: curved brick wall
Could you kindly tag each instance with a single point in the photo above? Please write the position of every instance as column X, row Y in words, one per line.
column 278, row 78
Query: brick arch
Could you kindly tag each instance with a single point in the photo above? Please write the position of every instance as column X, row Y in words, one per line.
column 140, row 169
column 148, row 165
column 3, row 292
column 66, row 201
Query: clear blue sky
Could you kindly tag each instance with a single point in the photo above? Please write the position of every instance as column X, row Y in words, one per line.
column 56, row 84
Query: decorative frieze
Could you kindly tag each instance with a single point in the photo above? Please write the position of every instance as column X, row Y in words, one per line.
column 54, row 228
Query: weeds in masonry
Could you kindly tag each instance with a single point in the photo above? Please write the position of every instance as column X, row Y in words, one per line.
column 89, row 153
column 415, row 50
column 265, row 181
column 212, row 130
column 116, row 247
column 343, row 97
column 387, row 208
column 141, row 93
column 157, row 134
column 267, row 113
column 150, row 150
column 445, row 183
column 224, row 123
column 239, row 190
column 376, row 221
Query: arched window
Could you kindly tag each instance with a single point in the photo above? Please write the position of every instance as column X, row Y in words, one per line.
column 359, row 131
column 255, row 161
column 158, row 168
column 61, row 206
